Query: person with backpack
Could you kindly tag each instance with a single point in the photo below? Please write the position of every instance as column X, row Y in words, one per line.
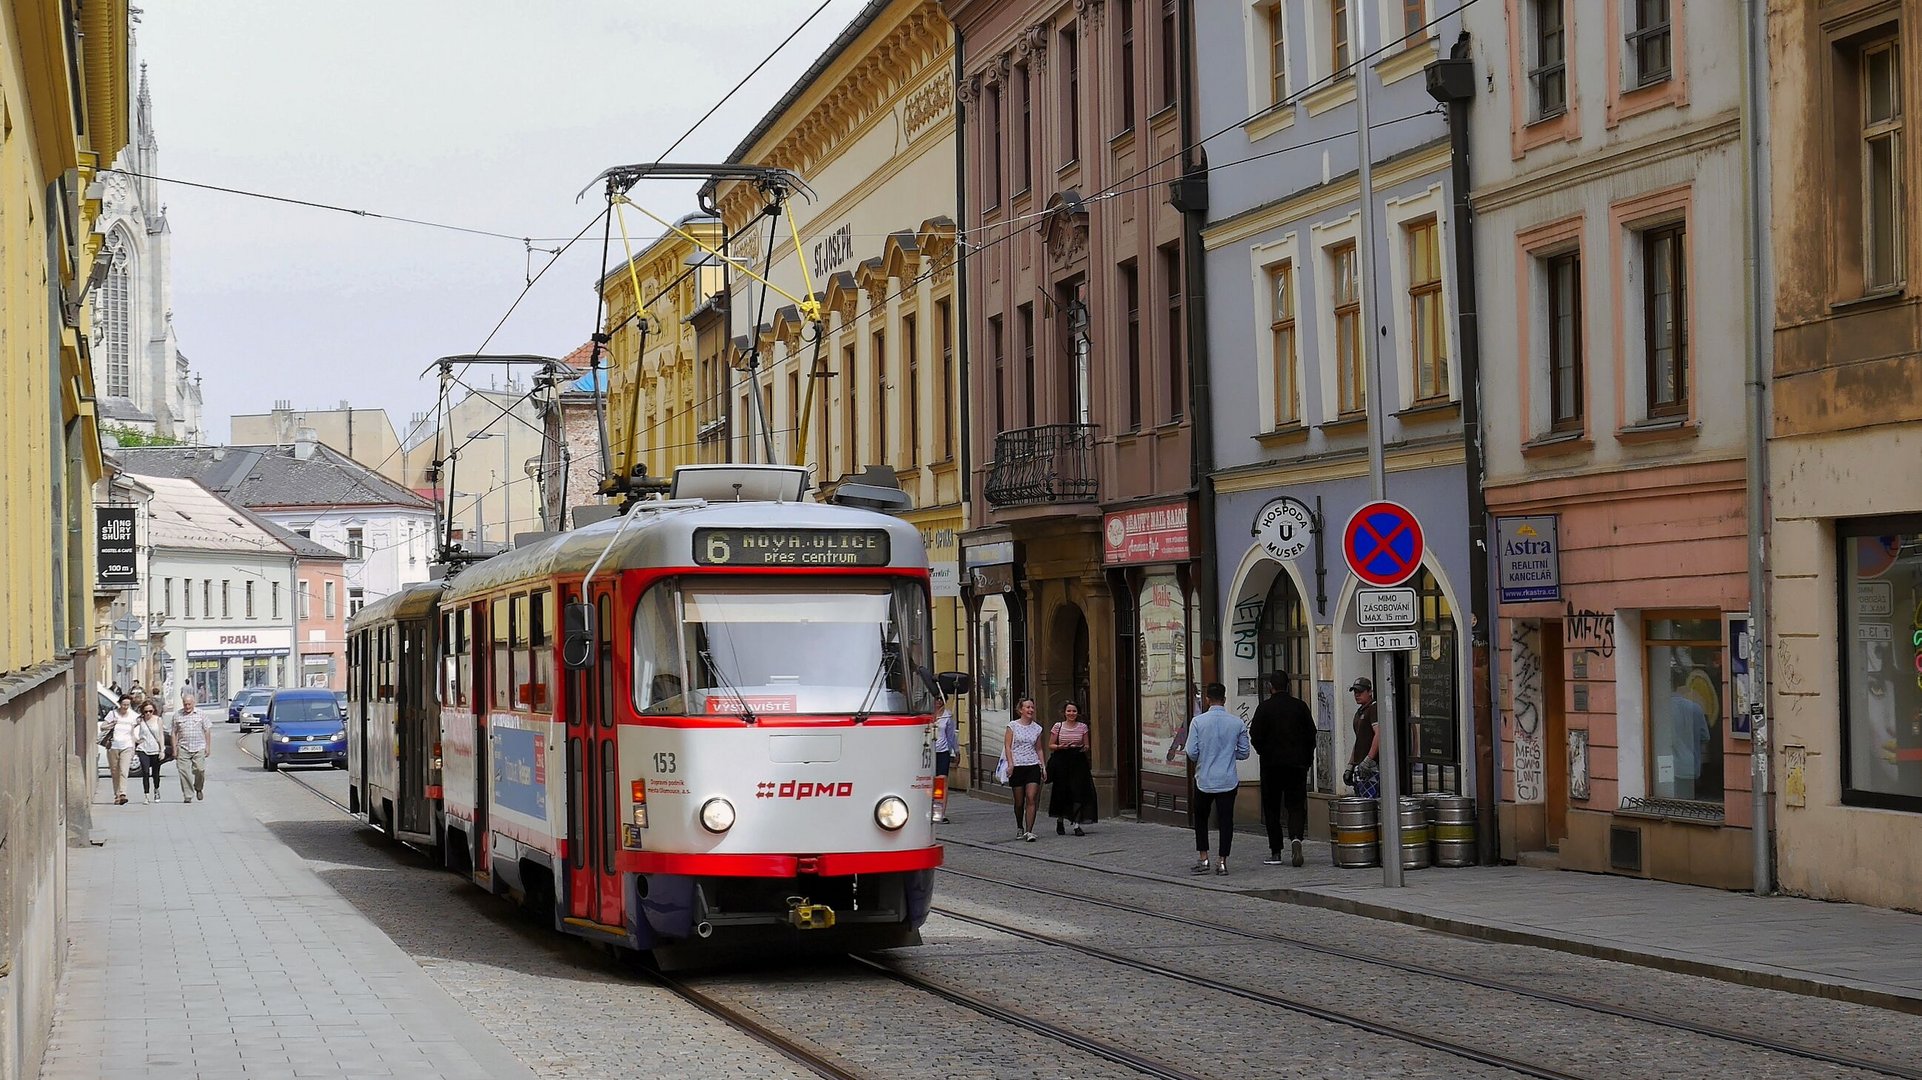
column 1282, row 731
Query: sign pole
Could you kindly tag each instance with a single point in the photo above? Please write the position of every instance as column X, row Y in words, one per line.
column 1370, row 344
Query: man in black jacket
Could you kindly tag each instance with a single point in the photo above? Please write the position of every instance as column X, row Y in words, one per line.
column 1283, row 733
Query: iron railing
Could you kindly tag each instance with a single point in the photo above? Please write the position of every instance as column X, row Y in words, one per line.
column 1053, row 463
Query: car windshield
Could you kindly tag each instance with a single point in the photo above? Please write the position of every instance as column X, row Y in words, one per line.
column 296, row 710
column 256, row 697
column 767, row 645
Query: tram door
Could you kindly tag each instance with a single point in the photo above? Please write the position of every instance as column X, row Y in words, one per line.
column 488, row 691
column 594, row 800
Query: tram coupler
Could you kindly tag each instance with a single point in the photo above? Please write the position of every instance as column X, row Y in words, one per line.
column 803, row 915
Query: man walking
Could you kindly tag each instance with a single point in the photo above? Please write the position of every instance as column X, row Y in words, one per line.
column 1216, row 740
column 193, row 748
column 1283, row 733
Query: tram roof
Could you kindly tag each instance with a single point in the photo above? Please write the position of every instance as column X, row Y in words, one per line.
column 412, row 601
column 663, row 536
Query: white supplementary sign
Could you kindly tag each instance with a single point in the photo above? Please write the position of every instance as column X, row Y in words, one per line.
column 1394, row 608
column 1283, row 528
column 1387, row 641
column 1874, row 599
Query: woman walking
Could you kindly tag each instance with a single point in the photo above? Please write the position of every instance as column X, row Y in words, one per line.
column 1072, row 800
column 150, row 743
column 117, row 735
column 1023, row 746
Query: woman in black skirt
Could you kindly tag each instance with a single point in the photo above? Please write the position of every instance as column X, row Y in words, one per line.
column 1072, row 801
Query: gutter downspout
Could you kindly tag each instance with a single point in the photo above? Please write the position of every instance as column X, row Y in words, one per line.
column 1452, row 81
column 1190, row 196
column 961, row 308
column 1761, row 353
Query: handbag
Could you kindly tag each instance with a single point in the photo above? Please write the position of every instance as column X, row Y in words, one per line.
column 106, row 740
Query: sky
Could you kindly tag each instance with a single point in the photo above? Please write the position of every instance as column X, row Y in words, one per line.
column 489, row 114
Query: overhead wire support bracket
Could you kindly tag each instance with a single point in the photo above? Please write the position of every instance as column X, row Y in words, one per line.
column 766, row 177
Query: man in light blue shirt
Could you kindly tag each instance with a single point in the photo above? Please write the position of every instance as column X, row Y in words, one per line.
column 1216, row 740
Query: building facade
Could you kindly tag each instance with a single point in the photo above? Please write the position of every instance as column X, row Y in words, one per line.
column 493, row 491
column 876, row 382
column 1290, row 437
column 144, row 381
column 224, row 594
column 571, row 417
column 1607, row 177
column 1846, row 547
column 63, row 81
column 1080, row 562
column 365, row 435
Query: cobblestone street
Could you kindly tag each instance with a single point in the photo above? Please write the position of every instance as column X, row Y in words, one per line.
column 1153, row 975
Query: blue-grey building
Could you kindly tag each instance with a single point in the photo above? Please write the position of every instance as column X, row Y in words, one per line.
column 1285, row 326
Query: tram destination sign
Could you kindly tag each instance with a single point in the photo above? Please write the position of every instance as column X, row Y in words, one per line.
column 791, row 547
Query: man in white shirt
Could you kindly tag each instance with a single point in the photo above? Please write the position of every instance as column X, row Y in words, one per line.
column 193, row 748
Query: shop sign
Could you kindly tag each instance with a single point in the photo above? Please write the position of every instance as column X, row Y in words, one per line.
column 114, row 549
column 998, row 578
column 944, row 565
column 995, row 554
column 203, row 644
column 1150, row 534
column 1284, row 527
column 1528, row 557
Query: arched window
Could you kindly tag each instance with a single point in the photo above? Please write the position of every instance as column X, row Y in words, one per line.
column 112, row 316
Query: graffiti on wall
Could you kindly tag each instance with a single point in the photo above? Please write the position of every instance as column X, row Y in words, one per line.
column 1525, row 695
column 1577, row 763
column 1590, row 631
column 1247, row 627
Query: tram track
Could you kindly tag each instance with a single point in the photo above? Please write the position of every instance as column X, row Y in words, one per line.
column 1622, row 1012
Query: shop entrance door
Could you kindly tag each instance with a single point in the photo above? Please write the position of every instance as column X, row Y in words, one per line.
column 1554, row 737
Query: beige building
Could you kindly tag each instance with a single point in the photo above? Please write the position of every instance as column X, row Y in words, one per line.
column 365, row 435
column 871, row 129
column 1846, row 552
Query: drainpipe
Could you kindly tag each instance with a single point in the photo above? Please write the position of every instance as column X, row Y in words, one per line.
column 1452, row 81
column 961, row 323
column 1190, row 196
column 1759, row 342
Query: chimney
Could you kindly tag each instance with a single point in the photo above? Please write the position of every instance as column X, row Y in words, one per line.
column 304, row 442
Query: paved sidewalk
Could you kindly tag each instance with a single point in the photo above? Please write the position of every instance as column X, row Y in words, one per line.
column 203, row 947
column 1866, row 955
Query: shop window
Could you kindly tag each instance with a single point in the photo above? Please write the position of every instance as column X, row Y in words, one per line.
column 1881, row 621
column 1684, row 662
column 1163, row 655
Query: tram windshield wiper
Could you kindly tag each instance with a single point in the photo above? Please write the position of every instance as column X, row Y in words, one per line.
column 707, row 657
column 890, row 654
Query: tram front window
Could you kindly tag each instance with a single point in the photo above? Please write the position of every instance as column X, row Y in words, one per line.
column 769, row 647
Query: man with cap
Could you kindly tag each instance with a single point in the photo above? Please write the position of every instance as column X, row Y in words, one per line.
column 1283, row 733
column 1367, row 733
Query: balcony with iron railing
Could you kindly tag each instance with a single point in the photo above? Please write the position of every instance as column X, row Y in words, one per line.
column 1039, row 466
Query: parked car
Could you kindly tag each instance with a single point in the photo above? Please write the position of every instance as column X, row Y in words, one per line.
column 253, row 711
column 303, row 727
column 254, row 695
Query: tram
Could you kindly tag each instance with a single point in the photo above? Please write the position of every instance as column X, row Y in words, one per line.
column 706, row 722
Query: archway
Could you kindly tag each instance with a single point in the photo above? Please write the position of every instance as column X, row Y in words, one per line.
column 1429, row 685
column 1271, row 627
column 1066, row 676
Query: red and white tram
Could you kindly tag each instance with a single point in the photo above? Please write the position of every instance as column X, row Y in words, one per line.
column 703, row 719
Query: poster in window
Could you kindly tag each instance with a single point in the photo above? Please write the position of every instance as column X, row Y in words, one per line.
column 1740, row 693
column 1163, row 675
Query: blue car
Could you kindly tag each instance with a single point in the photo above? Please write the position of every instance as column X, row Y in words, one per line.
column 303, row 727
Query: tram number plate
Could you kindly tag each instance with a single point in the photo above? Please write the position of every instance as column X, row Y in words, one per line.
column 791, row 547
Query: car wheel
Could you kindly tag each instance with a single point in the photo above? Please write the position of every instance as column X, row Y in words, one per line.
column 268, row 763
column 340, row 764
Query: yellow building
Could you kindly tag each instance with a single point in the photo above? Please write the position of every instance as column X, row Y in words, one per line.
column 871, row 129
column 653, row 416
column 63, row 115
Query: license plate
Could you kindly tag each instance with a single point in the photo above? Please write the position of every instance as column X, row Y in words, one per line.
column 312, row 749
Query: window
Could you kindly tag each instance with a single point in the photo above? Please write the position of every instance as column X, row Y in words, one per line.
column 273, row 591
column 540, row 669
column 207, row 598
column 1414, row 21
column 998, row 343
column 1172, row 348
column 1426, row 320
column 1277, row 53
column 167, row 597
column 1170, row 53
column 850, row 411
column 330, row 606
column 1339, row 57
column 1024, row 143
column 226, row 599
column 112, row 316
column 1071, row 94
column 1565, row 387
column 944, row 404
column 1131, row 301
column 306, row 601
column 911, row 356
column 1648, row 42
column 991, row 187
column 356, row 599
column 249, row 587
column 1126, row 22
column 882, row 451
column 1664, row 320
column 1882, row 165
column 305, row 532
column 356, row 544
column 498, row 675
column 1025, row 314
column 1549, row 74
column 1351, row 387
column 1685, row 716
column 1881, row 620
column 1281, row 332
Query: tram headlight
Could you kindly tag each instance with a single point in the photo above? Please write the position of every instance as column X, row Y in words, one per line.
column 891, row 813
column 717, row 815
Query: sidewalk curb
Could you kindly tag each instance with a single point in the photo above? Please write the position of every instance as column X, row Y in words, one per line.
column 1503, row 934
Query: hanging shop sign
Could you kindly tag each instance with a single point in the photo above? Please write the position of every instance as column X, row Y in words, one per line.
column 1284, row 527
column 115, row 552
column 1147, row 534
column 1528, row 556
